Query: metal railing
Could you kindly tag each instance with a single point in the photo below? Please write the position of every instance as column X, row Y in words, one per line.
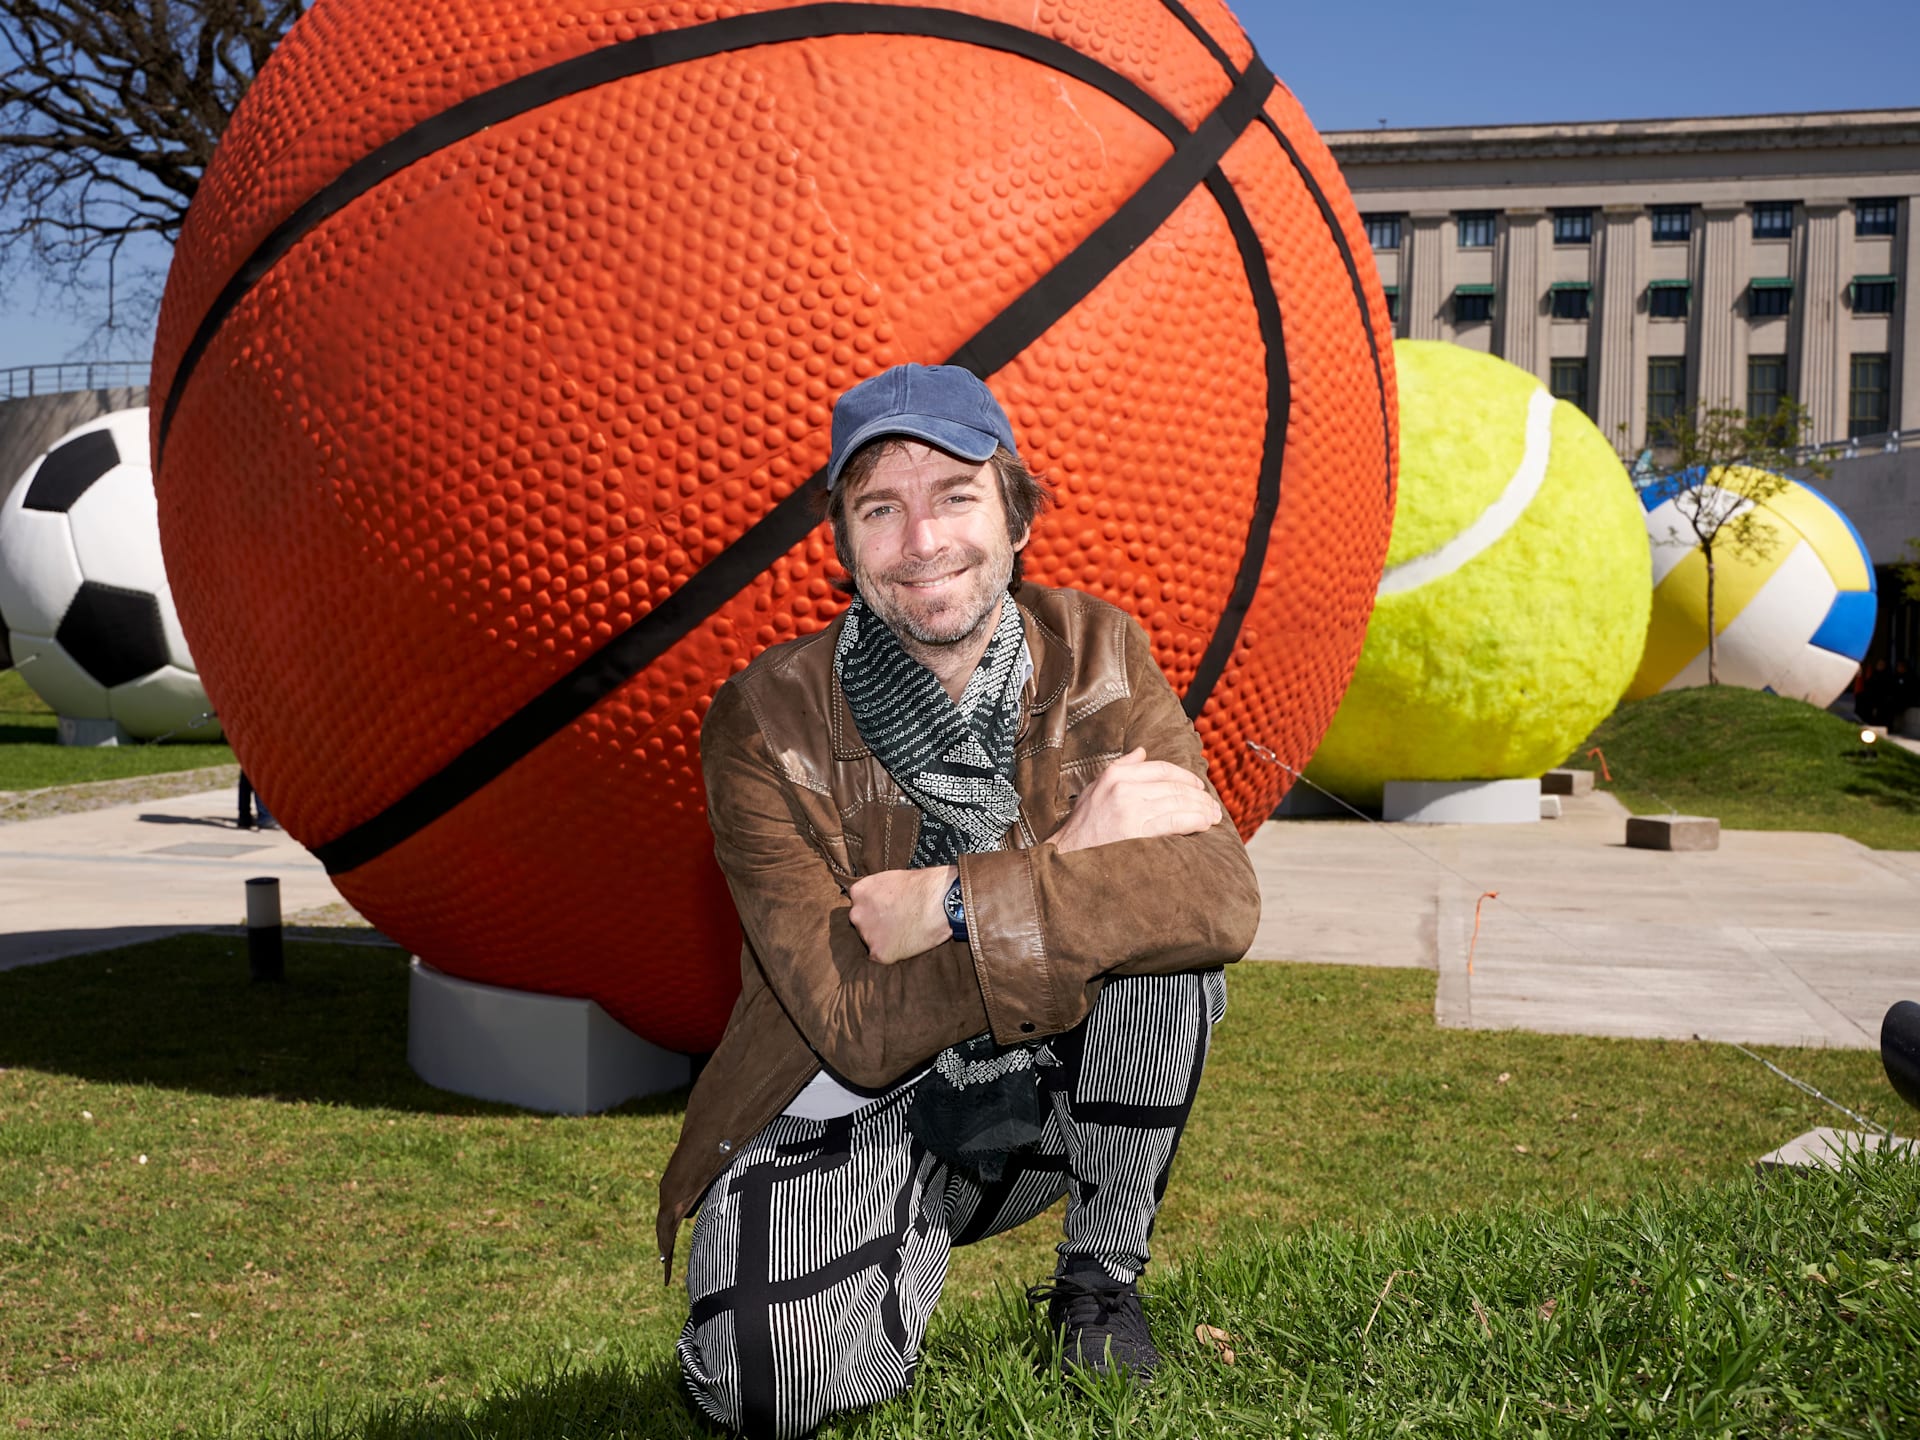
column 19, row 381
column 1889, row 444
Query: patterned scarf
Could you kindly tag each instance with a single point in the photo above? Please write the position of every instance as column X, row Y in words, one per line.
column 980, row 1103
column 954, row 761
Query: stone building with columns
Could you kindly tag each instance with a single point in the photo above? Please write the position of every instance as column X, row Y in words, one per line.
column 1640, row 267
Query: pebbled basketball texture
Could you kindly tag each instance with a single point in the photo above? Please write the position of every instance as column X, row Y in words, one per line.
column 494, row 377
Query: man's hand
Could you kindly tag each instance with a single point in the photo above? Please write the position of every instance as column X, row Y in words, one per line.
column 902, row 912
column 1134, row 799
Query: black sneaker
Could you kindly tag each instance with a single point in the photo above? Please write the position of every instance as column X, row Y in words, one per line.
column 1099, row 1322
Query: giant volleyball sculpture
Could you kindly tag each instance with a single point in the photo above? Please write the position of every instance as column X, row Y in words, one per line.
column 1793, row 612
column 495, row 372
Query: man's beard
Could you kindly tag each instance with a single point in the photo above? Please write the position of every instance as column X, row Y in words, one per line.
column 958, row 618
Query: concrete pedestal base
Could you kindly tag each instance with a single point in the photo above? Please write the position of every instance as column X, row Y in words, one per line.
column 1462, row 802
column 541, row 1052
column 1673, row 832
column 1567, row 782
column 1549, row 807
column 1303, row 802
column 91, row 733
column 1825, row 1147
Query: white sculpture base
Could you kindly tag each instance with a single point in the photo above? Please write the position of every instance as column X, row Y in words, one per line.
column 541, row 1052
column 1462, row 802
column 91, row 732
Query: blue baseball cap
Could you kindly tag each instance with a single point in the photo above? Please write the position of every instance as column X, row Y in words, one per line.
column 945, row 406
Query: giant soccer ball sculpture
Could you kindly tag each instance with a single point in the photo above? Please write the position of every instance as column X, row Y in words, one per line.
column 1793, row 612
column 507, row 336
column 84, row 596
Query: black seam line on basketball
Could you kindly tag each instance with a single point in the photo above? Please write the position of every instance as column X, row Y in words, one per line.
column 789, row 521
column 1200, row 32
column 623, row 61
column 1327, row 217
column 1273, row 450
column 1353, row 275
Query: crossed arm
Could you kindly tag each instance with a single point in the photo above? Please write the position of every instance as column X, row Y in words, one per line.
column 1145, row 876
column 900, row 913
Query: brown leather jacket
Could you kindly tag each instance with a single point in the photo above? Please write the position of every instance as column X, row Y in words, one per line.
column 800, row 808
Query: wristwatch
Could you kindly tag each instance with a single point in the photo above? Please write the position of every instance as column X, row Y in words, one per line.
column 956, row 911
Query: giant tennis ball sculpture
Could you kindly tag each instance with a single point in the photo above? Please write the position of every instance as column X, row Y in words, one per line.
column 494, row 378
column 1514, row 603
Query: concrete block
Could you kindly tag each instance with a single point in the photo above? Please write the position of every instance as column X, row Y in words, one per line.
column 1826, row 1147
column 1462, row 802
column 541, row 1052
column 90, row 732
column 1549, row 807
column 1673, row 832
column 1567, row 782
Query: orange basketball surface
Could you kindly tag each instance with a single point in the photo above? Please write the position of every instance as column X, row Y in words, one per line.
column 493, row 384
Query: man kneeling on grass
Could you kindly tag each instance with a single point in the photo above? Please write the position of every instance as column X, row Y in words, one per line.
column 986, row 892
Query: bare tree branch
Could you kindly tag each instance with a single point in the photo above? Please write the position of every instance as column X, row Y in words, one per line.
column 1719, row 467
column 109, row 113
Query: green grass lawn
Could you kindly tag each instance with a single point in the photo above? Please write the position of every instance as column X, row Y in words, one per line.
column 31, row 756
column 230, row 1210
column 1758, row 762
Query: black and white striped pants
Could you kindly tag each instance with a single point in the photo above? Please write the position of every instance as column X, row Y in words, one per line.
column 818, row 1255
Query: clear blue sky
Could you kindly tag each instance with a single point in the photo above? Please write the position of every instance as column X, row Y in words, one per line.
column 1354, row 63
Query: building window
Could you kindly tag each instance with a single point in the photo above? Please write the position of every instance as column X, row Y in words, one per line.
column 1767, row 298
column 1568, row 381
column 1383, row 231
column 1672, row 222
column 1873, row 294
column 1666, row 393
column 1472, row 304
column 1766, row 385
column 1773, row 220
column 1867, row 408
column 1876, row 217
column 1573, row 227
column 1393, row 304
column 1572, row 300
column 1476, row 229
column 1667, row 299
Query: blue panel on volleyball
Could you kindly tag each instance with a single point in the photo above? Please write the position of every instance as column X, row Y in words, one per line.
column 1848, row 628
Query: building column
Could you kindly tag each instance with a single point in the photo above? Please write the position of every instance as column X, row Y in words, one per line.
column 1905, row 332
column 1519, row 338
column 1423, row 294
column 1816, row 304
column 1619, row 407
column 1718, row 279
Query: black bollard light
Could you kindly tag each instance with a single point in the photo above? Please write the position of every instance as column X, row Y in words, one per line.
column 265, row 954
column 1900, row 1050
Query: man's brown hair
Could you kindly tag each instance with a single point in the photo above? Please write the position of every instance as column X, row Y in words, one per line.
column 1023, row 495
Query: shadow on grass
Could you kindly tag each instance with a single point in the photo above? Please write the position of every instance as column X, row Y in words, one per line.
column 182, row 1013
column 30, row 734
column 611, row 1401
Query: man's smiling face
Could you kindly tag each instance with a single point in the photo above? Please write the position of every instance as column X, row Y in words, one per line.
column 930, row 550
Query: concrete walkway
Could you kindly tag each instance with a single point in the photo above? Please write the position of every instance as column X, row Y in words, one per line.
column 74, row 883
column 1778, row 938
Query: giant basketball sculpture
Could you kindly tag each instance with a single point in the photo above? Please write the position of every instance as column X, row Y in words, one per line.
column 494, row 377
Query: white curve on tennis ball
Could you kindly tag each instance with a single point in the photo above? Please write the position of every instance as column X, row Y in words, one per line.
column 1494, row 521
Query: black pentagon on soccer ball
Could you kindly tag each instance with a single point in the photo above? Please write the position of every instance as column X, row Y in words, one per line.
column 63, row 477
column 114, row 633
